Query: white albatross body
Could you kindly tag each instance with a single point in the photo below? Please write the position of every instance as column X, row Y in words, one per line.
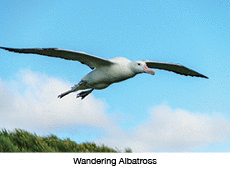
column 105, row 71
column 102, row 77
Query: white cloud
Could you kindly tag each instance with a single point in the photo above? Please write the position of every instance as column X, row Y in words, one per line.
column 171, row 130
column 30, row 102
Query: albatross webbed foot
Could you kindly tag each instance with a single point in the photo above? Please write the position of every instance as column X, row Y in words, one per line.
column 84, row 94
column 64, row 94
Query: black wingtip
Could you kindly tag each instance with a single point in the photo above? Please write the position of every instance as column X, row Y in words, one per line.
column 5, row 48
column 9, row 49
column 203, row 76
column 26, row 50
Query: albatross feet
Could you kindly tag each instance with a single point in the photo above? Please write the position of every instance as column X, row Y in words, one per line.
column 64, row 94
column 84, row 94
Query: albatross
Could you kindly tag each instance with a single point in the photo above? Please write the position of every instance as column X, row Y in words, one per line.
column 105, row 71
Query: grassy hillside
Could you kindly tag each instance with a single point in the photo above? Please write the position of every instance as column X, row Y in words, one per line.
column 23, row 141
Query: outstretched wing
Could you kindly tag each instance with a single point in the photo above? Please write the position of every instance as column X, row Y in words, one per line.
column 89, row 60
column 176, row 68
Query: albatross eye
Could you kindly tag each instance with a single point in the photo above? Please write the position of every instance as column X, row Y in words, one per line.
column 138, row 64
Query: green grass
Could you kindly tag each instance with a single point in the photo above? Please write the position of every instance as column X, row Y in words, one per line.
column 23, row 141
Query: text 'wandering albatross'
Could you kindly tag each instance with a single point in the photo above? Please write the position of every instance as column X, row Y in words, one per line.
column 105, row 71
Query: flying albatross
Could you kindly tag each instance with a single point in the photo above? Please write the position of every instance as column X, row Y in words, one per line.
column 105, row 71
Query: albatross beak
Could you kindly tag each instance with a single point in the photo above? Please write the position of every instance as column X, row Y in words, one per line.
column 147, row 70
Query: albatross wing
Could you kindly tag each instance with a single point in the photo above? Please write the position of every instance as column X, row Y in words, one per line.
column 89, row 60
column 176, row 68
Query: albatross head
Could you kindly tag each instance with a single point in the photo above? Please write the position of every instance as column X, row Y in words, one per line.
column 141, row 67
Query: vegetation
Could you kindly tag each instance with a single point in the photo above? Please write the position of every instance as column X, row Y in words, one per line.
column 23, row 141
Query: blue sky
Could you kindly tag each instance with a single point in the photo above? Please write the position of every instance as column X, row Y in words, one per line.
column 166, row 112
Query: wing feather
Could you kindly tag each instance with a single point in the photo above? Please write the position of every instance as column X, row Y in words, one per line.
column 89, row 60
column 176, row 68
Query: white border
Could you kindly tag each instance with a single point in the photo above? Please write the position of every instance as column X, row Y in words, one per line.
column 164, row 160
